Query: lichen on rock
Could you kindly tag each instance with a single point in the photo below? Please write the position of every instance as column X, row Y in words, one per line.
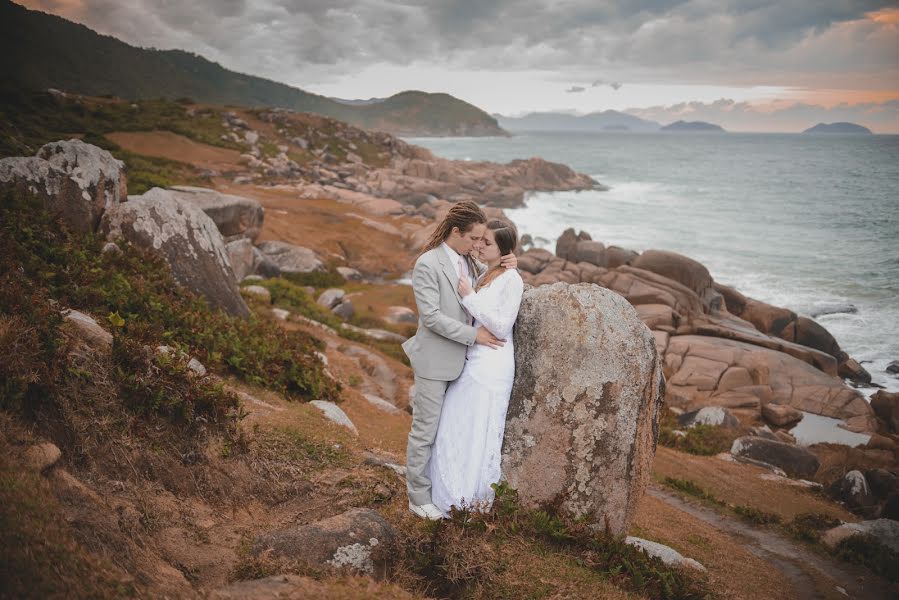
column 582, row 423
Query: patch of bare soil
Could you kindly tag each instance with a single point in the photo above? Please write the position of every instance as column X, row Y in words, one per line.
column 165, row 144
column 329, row 227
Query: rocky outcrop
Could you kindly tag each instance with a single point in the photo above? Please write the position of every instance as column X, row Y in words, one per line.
column 885, row 531
column 793, row 460
column 289, row 258
column 582, row 422
column 720, row 347
column 242, row 256
column 886, row 407
column 704, row 370
column 335, row 414
column 359, row 540
column 581, row 248
column 780, row 415
column 76, row 181
column 853, row 491
column 186, row 237
column 235, row 216
column 84, row 331
column 715, row 416
column 666, row 554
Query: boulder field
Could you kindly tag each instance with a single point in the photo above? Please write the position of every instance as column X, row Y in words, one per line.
column 719, row 347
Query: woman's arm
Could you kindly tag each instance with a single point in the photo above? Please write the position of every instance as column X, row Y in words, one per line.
column 497, row 309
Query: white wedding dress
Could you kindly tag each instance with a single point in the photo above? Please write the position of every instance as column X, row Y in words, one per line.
column 465, row 458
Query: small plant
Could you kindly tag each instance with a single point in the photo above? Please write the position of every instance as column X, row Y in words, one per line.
column 690, row 488
column 808, row 526
column 754, row 515
column 317, row 279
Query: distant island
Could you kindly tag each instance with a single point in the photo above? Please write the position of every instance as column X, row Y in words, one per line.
column 607, row 120
column 40, row 51
column 838, row 128
column 693, row 126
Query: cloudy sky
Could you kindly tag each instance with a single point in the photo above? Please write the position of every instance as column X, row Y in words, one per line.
column 749, row 65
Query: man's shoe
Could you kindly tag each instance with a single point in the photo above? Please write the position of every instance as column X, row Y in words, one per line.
column 426, row 511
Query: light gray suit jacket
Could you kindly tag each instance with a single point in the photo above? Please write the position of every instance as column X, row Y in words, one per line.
column 437, row 350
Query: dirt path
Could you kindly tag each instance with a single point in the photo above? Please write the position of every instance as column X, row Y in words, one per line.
column 812, row 575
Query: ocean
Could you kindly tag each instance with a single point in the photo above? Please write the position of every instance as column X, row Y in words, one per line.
column 807, row 222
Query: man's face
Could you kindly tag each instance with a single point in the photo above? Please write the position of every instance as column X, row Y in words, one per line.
column 470, row 240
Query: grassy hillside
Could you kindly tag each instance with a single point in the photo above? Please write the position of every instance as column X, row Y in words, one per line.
column 40, row 51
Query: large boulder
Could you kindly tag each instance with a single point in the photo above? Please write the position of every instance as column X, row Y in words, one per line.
column 290, row 258
column 582, row 248
column 583, row 419
column 359, row 540
column 886, row 407
column 186, row 237
column 853, row 490
column 76, row 181
column 235, row 216
column 716, row 416
column 793, row 460
column 780, row 415
column 885, row 531
column 242, row 256
column 678, row 267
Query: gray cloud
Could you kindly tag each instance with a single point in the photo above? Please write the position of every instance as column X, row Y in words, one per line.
column 727, row 42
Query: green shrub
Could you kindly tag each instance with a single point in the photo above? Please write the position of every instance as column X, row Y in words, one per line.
column 755, row 515
column 702, row 440
column 690, row 488
column 454, row 557
column 44, row 264
column 33, row 118
column 317, row 279
column 808, row 526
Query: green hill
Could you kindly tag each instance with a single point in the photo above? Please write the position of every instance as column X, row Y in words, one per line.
column 40, row 51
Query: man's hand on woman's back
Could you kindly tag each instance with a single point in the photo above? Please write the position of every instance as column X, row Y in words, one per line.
column 485, row 338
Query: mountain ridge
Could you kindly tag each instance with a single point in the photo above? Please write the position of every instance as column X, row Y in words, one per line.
column 40, row 51
column 840, row 127
column 608, row 120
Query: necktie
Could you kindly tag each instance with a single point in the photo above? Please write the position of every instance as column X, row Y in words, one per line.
column 463, row 274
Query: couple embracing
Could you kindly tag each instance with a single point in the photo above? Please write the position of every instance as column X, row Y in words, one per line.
column 468, row 292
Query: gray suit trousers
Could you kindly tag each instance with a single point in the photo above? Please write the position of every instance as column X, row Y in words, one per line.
column 426, row 407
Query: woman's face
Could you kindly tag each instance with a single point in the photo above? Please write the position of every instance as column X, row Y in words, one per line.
column 489, row 249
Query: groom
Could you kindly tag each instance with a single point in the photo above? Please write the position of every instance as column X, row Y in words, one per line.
column 445, row 331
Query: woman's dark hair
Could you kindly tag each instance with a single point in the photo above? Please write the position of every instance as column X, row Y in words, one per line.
column 505, row 235
column 506, row 238
column 463, row 215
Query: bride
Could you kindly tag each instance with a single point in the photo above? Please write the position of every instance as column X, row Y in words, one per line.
column 465, row 458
